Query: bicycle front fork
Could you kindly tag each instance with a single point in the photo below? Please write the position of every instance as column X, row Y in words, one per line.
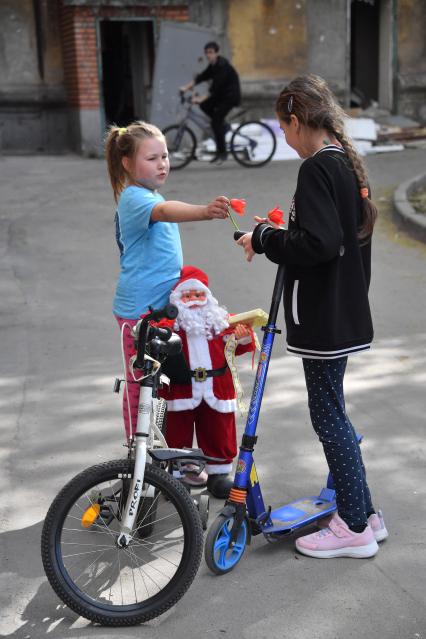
column 135, row 492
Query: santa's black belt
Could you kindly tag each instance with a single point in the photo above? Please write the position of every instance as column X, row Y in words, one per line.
column 200, row 374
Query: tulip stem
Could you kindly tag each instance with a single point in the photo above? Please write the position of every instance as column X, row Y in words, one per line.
column 232, row 219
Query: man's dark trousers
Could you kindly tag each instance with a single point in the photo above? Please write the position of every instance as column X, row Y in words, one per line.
column 217, row 111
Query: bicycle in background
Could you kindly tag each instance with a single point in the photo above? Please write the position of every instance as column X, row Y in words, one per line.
column 251, row 143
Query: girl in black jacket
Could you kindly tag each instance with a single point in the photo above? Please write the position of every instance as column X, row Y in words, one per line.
column 327, row 253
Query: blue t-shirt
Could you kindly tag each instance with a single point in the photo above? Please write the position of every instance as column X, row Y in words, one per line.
column 150, row 254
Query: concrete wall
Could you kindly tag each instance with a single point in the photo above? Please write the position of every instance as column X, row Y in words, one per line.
column 327, row 43
column 411, row 73
column 33, row 110
column 272, row 42
column 269, row 42
column 267, row 46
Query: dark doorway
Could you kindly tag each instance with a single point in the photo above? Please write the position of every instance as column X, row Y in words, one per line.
column 365, row 20
column 127, row 49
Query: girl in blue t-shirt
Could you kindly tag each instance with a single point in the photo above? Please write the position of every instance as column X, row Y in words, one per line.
column 147, row 233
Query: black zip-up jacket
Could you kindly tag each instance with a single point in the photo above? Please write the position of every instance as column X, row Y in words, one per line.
column 225, row 83
column 327, row 269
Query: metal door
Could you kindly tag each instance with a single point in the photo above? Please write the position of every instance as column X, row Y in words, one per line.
column 179, row 56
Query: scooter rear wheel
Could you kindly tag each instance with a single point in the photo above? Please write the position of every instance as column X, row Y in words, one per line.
column 221, row 556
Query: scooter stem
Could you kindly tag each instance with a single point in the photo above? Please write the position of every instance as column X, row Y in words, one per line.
column 245, row 459
column 276, row 295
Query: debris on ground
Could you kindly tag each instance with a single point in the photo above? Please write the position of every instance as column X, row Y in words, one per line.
column 373, row 130
column 417, row 200
column 392, row 132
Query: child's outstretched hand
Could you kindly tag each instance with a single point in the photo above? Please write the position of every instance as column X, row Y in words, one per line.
column 245, row 242
column 241, row 330
column 218, row 208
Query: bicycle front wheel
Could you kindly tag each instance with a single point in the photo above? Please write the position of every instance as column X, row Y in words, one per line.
column 181, row 144
column 253, row 144
column 107, row 583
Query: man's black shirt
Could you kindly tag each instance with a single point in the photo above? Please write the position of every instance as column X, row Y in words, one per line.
column 225, row 84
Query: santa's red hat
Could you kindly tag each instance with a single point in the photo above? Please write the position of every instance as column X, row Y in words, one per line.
column 192, row 277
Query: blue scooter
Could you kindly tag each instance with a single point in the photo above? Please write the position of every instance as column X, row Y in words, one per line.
column 244, row 513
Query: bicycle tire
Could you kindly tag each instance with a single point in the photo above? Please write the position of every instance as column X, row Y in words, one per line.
column 246, row 147
column 91, row 598
column 181, row 145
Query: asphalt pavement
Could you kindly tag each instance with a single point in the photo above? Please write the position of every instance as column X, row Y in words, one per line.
column 59, row 356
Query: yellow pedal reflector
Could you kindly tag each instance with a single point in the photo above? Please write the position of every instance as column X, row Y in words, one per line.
column 90, row 515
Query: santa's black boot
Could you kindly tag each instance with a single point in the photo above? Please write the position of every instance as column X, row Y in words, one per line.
column 219, row 485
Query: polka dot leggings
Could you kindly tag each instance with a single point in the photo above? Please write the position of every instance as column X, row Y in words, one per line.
column 324, row 382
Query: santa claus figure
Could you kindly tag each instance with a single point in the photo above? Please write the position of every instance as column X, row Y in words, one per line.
column 201, row 395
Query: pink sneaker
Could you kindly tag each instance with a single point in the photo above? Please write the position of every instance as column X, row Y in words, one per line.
column 191, row 477
column 378, row 527
column 375, row 520
column 338, row 541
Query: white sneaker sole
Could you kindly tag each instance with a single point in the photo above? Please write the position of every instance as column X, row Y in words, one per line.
column 357, row 552
column 381, row 535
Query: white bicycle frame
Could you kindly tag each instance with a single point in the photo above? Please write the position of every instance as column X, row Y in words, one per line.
column 147, row 436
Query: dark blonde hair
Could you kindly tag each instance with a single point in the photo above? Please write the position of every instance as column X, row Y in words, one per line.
column 310, row 99
column 123, row 142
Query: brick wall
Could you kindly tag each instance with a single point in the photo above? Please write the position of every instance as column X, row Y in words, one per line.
column 79, row 45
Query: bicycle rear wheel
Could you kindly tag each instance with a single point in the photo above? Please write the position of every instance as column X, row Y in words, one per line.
column 253, row 144
column 181, row 144
column 112, row 585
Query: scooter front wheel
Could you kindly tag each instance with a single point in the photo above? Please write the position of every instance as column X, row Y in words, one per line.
column 220, row 553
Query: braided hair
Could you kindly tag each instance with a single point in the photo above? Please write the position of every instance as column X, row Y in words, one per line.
column 311, row 100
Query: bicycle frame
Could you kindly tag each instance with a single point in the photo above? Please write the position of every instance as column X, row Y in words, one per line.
column 199, row 120
column 144, row 428
column 147, row 435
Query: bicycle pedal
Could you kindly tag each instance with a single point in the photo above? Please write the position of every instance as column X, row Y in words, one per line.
column 117, row 385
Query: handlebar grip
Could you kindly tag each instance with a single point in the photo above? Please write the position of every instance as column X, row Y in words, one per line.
column 162, row 333
column 238, row 234
column 170, row 312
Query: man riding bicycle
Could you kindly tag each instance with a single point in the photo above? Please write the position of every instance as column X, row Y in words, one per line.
column 224, row 94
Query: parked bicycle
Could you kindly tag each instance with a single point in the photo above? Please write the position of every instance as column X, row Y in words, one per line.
column 122, row 541
column 251, row 143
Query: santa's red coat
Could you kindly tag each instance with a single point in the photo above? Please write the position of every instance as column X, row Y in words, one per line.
column 217, row 392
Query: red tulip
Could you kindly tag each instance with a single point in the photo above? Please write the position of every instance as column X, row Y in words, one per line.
column 238, row 206
column 276, row 216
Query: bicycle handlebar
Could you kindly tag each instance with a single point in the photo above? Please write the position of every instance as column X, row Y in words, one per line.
column 170, row 312
column 187, row 99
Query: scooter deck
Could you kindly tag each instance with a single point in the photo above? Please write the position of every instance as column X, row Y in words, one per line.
column 302, row 512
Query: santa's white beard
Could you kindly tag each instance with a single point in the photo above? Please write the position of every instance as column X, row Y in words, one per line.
column 207, row 318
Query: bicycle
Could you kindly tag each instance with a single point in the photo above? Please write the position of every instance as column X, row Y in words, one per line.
column 251, row 143
column 122, row 541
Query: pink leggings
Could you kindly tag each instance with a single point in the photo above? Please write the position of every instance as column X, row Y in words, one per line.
column 131, row 391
